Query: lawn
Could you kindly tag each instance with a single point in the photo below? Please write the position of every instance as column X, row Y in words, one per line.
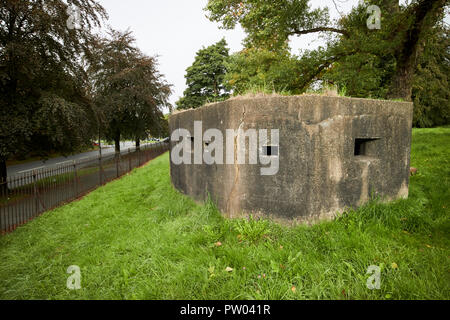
column 138, row 238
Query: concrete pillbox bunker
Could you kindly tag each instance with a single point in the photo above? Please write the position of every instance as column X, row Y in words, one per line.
column 332, row 153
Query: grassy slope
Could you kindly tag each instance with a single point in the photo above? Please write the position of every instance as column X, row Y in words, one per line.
column 139, row 238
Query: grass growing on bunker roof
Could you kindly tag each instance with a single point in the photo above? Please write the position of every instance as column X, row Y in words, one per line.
column 138, row 238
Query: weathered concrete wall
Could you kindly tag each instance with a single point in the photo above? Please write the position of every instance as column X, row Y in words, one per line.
column 319, row 173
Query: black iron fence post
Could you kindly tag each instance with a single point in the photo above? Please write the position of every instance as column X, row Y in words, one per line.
column 117, row 164
column 100, row 169
column 139, row 156
column 75, row 179
column 36, row 201
column 3, row 206
column 129, row 159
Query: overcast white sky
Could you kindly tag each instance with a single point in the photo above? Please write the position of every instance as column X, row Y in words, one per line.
column 176, row 29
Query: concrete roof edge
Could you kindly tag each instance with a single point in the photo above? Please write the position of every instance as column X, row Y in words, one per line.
column 271, row 96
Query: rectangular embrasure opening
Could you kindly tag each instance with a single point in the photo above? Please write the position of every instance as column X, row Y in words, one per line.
column 270, row 151
column 365, row 146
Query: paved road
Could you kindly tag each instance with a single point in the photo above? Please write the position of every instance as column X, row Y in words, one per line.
column 106, row 150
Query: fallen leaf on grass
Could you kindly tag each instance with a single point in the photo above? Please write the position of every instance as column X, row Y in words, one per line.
column 394, row 265
column 228, row 269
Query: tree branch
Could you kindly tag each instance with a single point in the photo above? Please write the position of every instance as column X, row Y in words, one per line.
column 325, row 63
column 319, row 29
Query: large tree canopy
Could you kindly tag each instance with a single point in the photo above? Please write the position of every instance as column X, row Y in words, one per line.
column 431, row 88
column 397, row 45
column 129, row 91
column 205, row 78
column 269, row 23
column 43, row 101
column 262, row 69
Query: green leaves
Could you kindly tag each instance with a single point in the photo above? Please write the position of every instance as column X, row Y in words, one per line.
column 431, row 89
column 406, row 59
column 44, row 105
column 268, row 23
column 275, row 71
column 252, row 229
column 205, row 78
column 129, row 90
column 61, row 123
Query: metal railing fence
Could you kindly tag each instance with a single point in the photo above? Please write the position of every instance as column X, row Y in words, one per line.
column 27, row 195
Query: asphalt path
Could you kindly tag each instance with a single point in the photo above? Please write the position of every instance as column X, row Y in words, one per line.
column 29, row 166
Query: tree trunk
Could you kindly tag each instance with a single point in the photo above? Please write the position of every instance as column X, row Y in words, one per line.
column 401, row 85
column 117, row 143
column 425, row 16
column 3, row 176
column 216, row 93
column 138, row 144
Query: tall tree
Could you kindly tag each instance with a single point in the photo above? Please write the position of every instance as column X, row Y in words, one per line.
column 149, row 94
column 264, row 70
column 431, row 88
column 43, row 102
column 129, row 90
column 399, row 43
column 205, row 78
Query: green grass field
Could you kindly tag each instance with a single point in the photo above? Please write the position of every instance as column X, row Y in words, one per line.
column 138, row 238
